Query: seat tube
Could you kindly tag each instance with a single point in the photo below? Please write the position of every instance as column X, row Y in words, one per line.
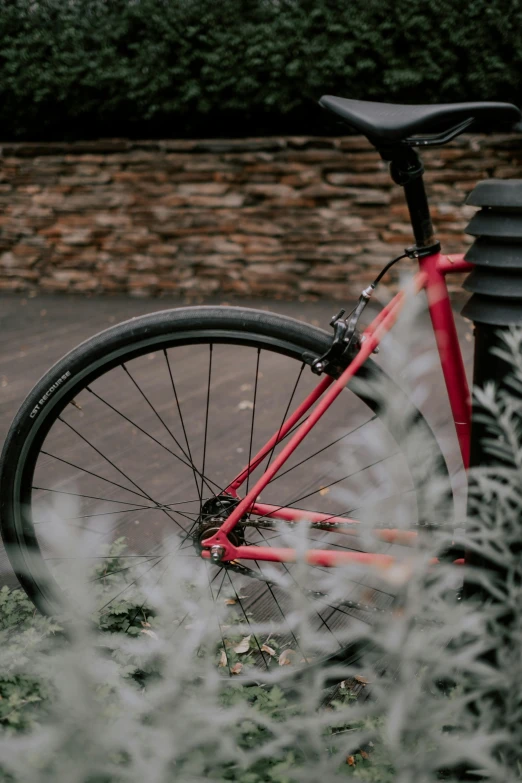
column 406, row 170
column 452, row 364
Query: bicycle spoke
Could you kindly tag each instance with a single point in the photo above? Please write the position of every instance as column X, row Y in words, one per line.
column 127, row 587
column 217, row 618
column 320, row 451
column 271, row 591
column 290, row 504
column 76, row 527
column 188, row 464
column 119, row 570
column 222, row 583
column 288, row 571
column 104, row 514
column 238, row 599
column 285, row 414
column 180, row 503
column 194, row 471
column 253, row 418
column 206, row 420
column 169, row 506
column 98, row 557
column 145, row 494
column 103, row 456
column 153, row 409
column 96, row 475
column 140, row 608
column 91, row 497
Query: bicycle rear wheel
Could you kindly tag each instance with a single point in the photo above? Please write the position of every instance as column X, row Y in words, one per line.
column 142, row 426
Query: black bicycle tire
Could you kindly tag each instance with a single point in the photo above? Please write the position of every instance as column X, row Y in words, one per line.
column 188, row 324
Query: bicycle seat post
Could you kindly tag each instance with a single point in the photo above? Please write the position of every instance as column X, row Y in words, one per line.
column 406, row 169
column 396, row 130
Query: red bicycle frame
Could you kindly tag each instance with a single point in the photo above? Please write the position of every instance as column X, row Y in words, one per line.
column 430, row 277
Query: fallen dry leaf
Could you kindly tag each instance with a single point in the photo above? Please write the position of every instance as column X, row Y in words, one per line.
column 230, row 601
column 350, row 760
column 362, row 680
column 267, row 649
column 324, row 490
column 286, row 657
column 236, row 668
column 149, row 633
column 222, row 660
column 243, row 646
column 364, row 754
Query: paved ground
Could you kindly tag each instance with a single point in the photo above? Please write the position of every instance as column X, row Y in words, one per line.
column 35, row 332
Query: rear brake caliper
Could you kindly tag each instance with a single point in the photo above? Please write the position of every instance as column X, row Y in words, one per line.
column 345, row 335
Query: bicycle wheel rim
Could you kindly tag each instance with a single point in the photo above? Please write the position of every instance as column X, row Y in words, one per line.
column 65, row 394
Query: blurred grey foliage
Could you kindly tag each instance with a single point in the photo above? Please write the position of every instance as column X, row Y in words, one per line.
column 155, row 703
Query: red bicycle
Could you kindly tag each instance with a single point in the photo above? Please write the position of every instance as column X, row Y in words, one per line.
column 170, row 427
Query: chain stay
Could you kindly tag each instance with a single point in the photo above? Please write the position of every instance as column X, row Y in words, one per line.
column 316, row 594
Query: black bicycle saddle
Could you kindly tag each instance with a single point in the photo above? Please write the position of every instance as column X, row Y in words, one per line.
column 389, row 123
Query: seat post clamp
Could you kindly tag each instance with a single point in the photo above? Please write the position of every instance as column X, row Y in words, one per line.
column 417, row 252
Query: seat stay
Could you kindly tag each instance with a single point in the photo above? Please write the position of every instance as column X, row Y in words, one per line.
column 277, row 437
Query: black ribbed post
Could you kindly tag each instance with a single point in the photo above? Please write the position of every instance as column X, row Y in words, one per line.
column 495, row 306
column 495, row 282
column 496, row 285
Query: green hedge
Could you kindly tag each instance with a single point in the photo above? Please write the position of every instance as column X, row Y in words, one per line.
column 210, row 67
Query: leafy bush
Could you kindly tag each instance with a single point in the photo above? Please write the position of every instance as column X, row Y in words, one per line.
column 192, row 67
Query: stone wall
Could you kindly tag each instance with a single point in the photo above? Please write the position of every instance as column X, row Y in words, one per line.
column 276, row 216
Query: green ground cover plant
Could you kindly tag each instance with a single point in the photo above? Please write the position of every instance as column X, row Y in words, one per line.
column 35, row 649
column 175, row 68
